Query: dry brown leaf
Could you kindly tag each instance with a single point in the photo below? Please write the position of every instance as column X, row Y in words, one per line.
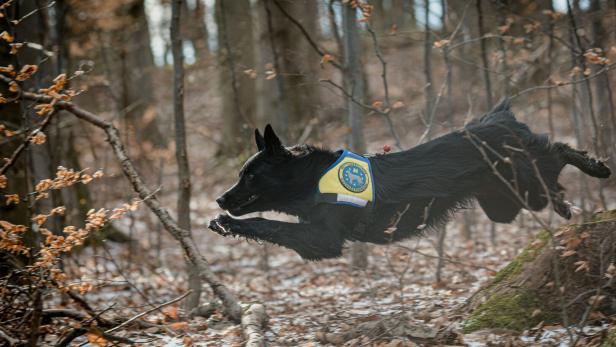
column 12, row 199
column 326, row 59
column 6, row 36
column 171, row 312
column 187, row 341
column 26, row 72
column 95, row 338
column 179, row 326
column 582, row 265
column 38, row 139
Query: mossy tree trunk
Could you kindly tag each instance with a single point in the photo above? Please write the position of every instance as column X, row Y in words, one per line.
column 565, row 278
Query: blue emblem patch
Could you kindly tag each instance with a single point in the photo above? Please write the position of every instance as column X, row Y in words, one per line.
column 353, row 177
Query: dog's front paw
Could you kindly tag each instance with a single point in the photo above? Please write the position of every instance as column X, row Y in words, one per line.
column 601, row 169
column 221, row 225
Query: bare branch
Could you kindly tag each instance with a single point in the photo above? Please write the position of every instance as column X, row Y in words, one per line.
column 229, row 300
column 11, row 340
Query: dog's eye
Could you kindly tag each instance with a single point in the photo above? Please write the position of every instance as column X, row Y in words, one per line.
column 250, row 177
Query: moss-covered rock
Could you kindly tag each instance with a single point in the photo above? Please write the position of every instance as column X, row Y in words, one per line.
column 526, row 291
column 610, row 339
column 515, row 311
column 604, row 216
column 527, row 255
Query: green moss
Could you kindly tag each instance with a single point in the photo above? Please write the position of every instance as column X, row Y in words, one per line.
column 508, row 311
column 604, row 215
column 528, row 254
column 610, row 339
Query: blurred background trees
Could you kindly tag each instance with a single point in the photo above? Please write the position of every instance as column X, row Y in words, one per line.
column 310, row 68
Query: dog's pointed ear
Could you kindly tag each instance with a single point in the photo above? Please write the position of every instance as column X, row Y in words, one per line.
column 272, row 142
column 259, row 140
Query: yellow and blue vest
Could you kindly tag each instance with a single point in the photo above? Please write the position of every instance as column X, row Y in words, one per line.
column 348, row 181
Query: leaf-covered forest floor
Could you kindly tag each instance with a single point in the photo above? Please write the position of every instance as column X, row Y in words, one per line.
column 309, row 302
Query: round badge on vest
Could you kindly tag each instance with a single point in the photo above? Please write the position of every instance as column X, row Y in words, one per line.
column 353, row 177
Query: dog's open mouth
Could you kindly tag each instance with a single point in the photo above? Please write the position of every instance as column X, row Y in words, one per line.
column 249, row 201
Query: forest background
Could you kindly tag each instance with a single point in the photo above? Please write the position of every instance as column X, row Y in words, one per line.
column 123, row 120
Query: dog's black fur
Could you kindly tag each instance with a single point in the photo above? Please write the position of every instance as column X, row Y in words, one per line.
column 418, row 188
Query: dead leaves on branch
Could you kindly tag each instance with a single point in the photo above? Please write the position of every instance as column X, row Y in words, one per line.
column 64, row 178
column 26, row 72
column 52, row 245
column 365, row 8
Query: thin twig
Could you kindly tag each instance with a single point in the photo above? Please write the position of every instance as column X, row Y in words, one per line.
column 561, row 84
column 156, row 308
column 387, row 104
column 26, row 143
column 352, row 98
column 447, row 259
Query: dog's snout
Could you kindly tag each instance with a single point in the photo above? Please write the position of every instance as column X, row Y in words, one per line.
column 221, row 201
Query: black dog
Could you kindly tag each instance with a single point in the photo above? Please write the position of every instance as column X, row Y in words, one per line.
column 495, row 160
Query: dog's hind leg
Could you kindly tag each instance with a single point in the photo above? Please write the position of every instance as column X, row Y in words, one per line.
column 308, row 241
column 582, row 161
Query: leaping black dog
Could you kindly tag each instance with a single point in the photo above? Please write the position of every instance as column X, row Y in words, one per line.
column 342, row 196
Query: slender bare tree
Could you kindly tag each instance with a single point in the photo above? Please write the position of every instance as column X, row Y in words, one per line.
column 181, row 154
column 354, row 83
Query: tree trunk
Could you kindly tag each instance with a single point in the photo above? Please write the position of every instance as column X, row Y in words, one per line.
column 120, row 50
column 603, row 89
column 34, row 29
column 181, row 154
column 299, row 63
column 484, row 57
column 565, row 279
column 235, row 54
column 403, row 14
column 271, row 103
column 17, row 175
column 427, row 65
column 354, row 84
column 193, row 27
column 394, row 15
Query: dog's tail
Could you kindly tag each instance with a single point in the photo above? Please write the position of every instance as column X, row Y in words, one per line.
column 581, row 160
